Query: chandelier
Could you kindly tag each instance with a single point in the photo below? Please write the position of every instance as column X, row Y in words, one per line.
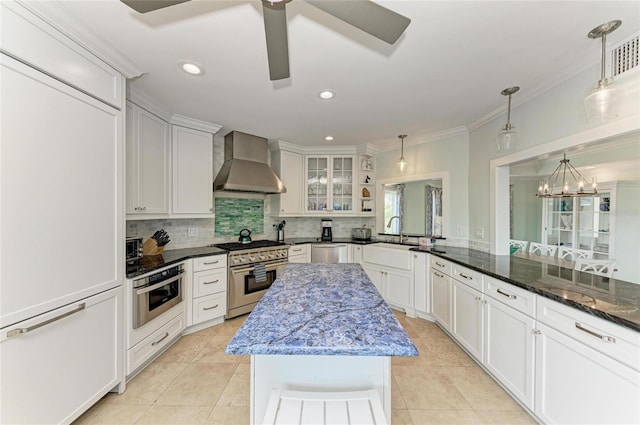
column 566, row 182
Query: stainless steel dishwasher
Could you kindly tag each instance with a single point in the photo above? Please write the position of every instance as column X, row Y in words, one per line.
column 329, row 253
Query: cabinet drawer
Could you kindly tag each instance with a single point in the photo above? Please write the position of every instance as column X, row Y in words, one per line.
column 154, row 343
column 209, row 307
column 615, row 341
column 209, row 282
column 518, row 298
column 299, row 250
column 441, row 265
column 208, row 263
column 468, row 277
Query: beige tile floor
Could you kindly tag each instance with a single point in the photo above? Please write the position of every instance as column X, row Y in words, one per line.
column 194, row 382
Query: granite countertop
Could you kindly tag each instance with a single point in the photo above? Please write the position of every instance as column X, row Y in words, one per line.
column 150, row 263
column 322, row 309
column 299, row 241
column 611, row 299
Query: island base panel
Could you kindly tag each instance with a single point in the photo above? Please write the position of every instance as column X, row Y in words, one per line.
column 318, row 373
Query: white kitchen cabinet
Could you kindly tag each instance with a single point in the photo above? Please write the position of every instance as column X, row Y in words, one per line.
column 208, row 303
column 576, row 384
column 421, row 283
column 192, row 172
column 289, row 167
column 441, row 288
column 329, row 184
column 509, row 349
column 147, row 158
column 390, row 270
column 467, row 318
column 56, row 365
column 300, row 253
column 366, row 186
column 356, row 253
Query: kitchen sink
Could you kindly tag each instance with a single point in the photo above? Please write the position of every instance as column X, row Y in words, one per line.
column 402, row 247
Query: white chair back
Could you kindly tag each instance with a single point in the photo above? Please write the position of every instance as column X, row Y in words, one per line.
column 543, row 249
column 521, row 245
column 574, row 254
column 599, row 267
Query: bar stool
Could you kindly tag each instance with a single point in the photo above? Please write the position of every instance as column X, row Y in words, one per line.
column 542, row 249
column 599, row 267
column 574, row 254
column 520, row 245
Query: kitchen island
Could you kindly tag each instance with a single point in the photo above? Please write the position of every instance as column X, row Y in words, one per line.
column 321, row 327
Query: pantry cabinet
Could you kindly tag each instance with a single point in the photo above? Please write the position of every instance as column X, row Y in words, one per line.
column 329, row 184
column 147, row 158
column 192, row 172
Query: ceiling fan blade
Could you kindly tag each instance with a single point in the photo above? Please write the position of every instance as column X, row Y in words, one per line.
column 368, row 16
column 275, row 28
column 144, row 6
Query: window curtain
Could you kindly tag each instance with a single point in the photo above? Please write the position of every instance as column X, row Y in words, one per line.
column 394, row 195
column 433, row 210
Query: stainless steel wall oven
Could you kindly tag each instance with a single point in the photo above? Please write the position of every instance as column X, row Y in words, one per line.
column 155, row 294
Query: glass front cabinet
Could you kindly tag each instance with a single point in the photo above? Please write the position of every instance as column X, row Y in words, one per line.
column 582, row 222
column 329, row 184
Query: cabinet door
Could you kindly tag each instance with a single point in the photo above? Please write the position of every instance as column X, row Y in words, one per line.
column 290, row 172
column 357, row 254
column 578, row 385
column 466, row 325
column 441, row 298
column 399, row 289
column 54, row 372
column 192, row 171
column 376, row 277
column 420, row 283
column 342, row 184
column 509, row 349
column 317, row 183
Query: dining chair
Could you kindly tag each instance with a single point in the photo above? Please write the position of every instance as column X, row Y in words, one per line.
column 520, row 245
column 542, row 249
column 599, row 267
column 573, row 254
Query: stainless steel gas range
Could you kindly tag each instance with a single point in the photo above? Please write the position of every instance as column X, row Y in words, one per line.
column 253, row 267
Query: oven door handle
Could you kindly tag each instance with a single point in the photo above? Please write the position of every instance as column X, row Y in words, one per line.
column 158, row 285
column 266, row 266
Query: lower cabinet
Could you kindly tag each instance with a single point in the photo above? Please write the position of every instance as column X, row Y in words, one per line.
column 509, row 349
column 356, row 253
column 467, row 315
column 57, row 370
column 209, row 289
column 441, row 298
column 394, row 286
column 300, row 253
column 421, row 295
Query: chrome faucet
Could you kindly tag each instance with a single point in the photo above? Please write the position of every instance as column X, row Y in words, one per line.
column 401, row 238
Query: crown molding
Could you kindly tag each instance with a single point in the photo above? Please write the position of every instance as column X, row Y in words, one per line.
column 195, row 123
column 429, row 138
column 304, row 150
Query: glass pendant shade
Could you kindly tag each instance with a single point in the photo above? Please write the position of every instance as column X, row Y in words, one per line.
column 402, row 165
column 601, row 104
column 506, row 139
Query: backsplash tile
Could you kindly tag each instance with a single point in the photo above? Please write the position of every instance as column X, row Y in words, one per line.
column 178, row 230
column 235, row 214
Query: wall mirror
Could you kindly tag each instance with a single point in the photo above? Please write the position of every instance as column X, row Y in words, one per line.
column 421, row 201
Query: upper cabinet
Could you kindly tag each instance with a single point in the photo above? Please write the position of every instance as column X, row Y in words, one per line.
column 329, row 184
column 169, row 167
column 288, row 166
column 192, row 172
column 147, row 157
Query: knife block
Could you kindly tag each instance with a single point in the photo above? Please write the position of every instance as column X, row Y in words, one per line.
column 150, row 247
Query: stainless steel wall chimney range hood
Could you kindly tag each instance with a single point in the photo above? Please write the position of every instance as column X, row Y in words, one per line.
column 245, row 167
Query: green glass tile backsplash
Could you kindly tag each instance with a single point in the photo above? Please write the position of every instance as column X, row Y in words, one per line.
column 235, row 214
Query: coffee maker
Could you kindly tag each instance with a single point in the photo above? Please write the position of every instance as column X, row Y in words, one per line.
column 326, row 230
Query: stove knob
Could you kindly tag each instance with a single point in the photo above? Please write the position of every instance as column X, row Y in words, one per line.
column 262, row 257
column 252, row 258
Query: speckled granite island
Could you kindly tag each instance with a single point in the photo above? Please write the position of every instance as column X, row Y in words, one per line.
column 321, row 327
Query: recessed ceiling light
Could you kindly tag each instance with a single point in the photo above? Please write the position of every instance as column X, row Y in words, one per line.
column 191, row 68
column 328, row 138
column 326, row 94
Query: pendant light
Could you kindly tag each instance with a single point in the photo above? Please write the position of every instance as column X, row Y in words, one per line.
column 507, row 137
column 566, row 182
column 601, row 104
column 402, row 165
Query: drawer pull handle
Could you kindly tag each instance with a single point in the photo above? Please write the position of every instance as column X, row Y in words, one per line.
column 211, row 262
column 211, row 308
column 605, row 338
column 465, row 276
column 440, row 265
column 166, row 334
column 438, row 274
column 297, row 250
column 209, row 283
column 510, row 296
column 19, row 331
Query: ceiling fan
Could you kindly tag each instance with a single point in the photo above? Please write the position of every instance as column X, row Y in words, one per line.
column 366, row 15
